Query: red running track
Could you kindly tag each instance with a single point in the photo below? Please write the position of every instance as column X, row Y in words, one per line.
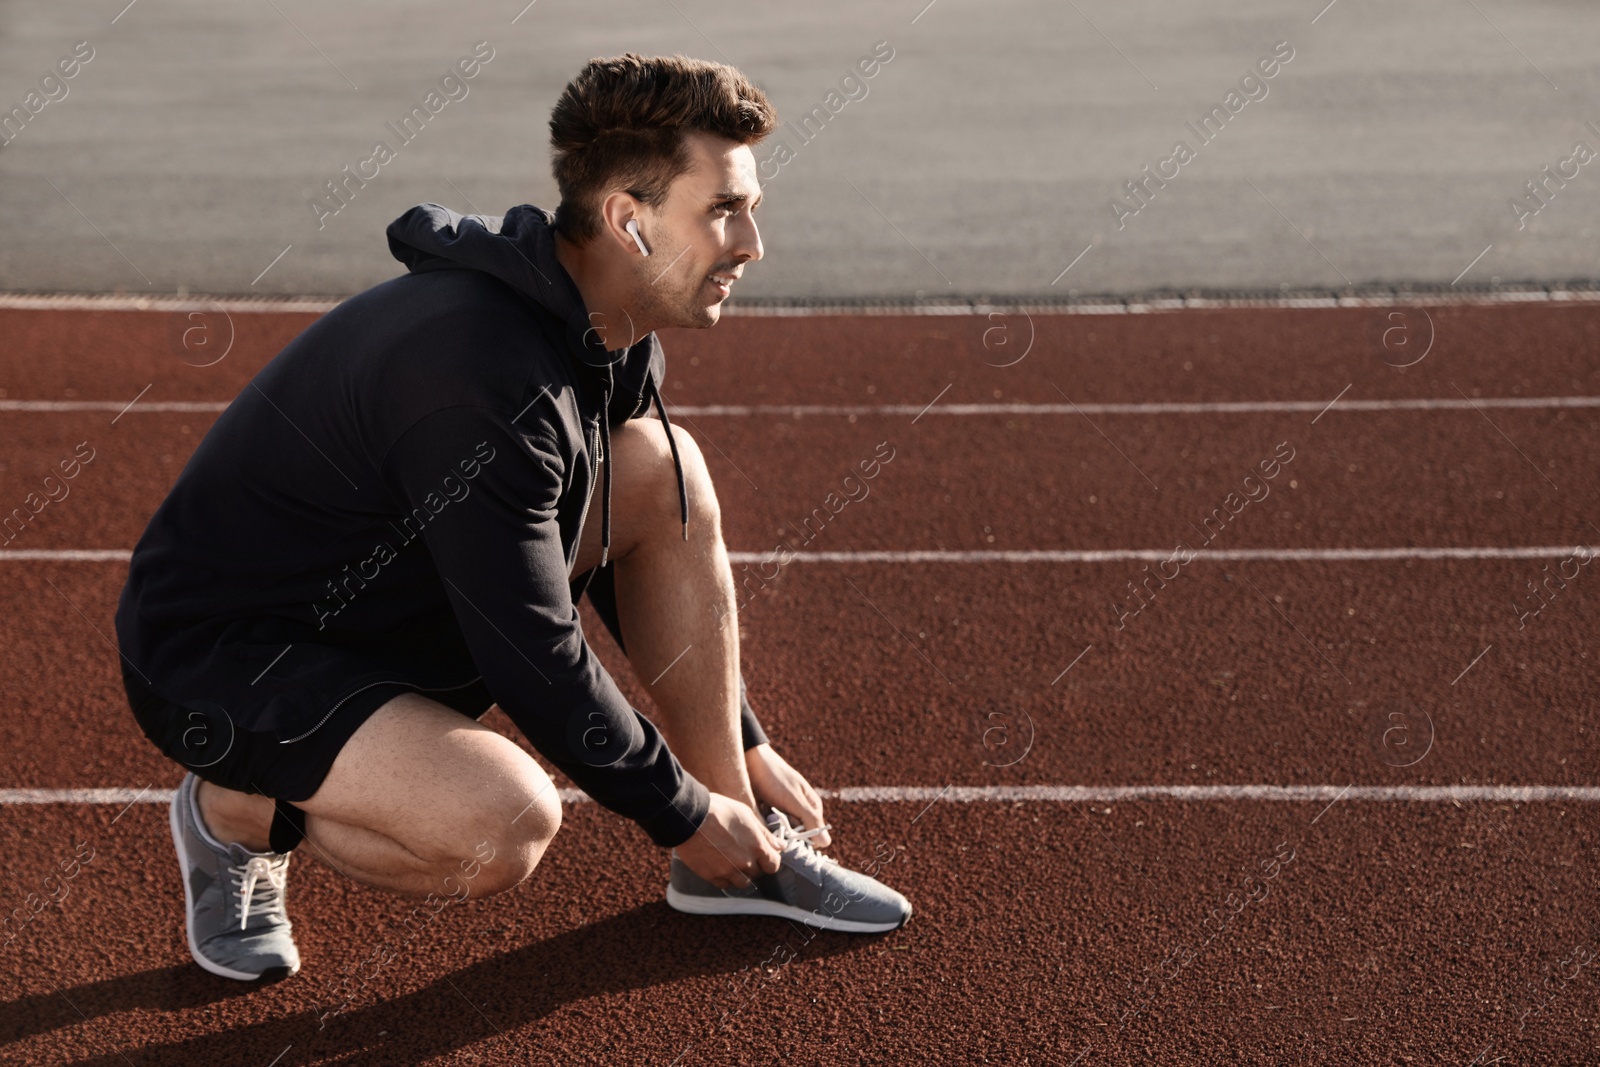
column 1046, row 932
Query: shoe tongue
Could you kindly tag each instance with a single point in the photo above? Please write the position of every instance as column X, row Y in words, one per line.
column 777, row 822
column 241, row 855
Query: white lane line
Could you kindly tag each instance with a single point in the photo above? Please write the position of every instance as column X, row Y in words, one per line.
column 1426, row 794
column 1334, row 801
column 1136, row 304
column 130, row 804
column 1219, row 407
column 1151, row 555
column 1334, row 401
column 113, row 405
column 132, row 402
column 1043, row 794
column 279, row 305
column 932, row 402
column 1086, row 555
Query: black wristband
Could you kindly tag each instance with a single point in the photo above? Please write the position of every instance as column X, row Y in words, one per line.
column 288, row 827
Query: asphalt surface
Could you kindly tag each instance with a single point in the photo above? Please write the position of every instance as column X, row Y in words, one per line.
column 981, row 159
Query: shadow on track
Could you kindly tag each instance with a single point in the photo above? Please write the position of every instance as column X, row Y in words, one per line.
column 166, row 989
column 644, row 947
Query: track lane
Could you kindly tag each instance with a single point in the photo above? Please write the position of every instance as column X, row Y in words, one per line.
column 978, row 675
column 887, row 483
column 1395, row 931
column 1231, row 355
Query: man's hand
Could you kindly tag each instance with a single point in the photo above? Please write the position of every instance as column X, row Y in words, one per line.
column 732, row 845
column 775, row 782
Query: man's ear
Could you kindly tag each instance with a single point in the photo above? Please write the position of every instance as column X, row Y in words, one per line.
column 615, row 213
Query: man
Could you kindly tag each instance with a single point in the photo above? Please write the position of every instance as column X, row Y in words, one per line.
column 387, row 532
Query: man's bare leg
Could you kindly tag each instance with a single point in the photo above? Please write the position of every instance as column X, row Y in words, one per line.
column 421, row 799
column 675, row 600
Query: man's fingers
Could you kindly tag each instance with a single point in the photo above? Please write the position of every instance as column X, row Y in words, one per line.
column 740, row 878
column 812, row 817
column 768, row 855
column 733, row 846
column 730, row 877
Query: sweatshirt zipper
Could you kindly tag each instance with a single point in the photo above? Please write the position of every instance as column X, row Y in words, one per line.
column 390, row 681
column 599, row 454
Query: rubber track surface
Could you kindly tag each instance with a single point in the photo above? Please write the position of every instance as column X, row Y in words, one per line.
column 1045, row 933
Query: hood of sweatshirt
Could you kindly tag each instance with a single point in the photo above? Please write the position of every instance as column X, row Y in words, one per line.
column 519, row 249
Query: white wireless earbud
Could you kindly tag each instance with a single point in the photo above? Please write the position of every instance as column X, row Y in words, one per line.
column 633, row 228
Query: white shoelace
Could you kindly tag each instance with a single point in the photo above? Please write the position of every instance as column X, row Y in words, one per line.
column 800, row 840
column 269, row 875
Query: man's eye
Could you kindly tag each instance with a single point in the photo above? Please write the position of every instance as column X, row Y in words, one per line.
column 727, row 209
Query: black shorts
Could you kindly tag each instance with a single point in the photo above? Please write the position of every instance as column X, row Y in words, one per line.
column 206, row 741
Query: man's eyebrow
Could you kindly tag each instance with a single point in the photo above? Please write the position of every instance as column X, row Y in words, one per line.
column 723, row 198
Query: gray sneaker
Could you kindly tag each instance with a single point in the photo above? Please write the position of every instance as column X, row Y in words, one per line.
column 809, row 887
column 234, row 900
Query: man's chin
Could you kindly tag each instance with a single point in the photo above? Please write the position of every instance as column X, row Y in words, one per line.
column 700, row 317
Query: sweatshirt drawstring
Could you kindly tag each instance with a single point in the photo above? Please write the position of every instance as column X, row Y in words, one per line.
column 605, row 460
column 672, row 442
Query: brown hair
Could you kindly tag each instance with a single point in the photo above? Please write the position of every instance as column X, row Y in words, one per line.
column 621, row 122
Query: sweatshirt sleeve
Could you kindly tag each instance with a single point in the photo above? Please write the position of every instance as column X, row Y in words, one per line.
column 486, row 493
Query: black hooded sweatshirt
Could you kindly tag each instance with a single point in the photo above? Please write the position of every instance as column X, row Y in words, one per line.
column 395, row 502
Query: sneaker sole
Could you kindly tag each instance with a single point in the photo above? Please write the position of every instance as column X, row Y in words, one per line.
column 174, row 821
column 698, row 905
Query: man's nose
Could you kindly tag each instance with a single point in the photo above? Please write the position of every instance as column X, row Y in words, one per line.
column 747, row 243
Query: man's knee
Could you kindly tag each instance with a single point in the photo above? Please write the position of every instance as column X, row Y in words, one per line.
column 652, row 453
column 487, row 834
column 508, row 835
